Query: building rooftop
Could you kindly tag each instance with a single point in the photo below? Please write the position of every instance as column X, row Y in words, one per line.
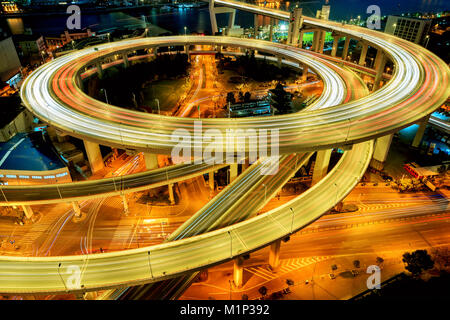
column 26, row 37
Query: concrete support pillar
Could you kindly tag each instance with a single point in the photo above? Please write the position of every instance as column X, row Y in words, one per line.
column 99, row 69
column 274, row 255
column 125, row 204
column 321, row 41
column 380, row 64
column 295, row 23
column 256, row 25
column 362, row 57
column 346, row 45
column 231, row 18
column 211, row 180
column 126, row 63
column 171, row 197
column 151, row 160
column 335, row 46
column 321, row 165
column 94, row 156
column 420, row 132
column 212, row 17
column 233, row 171
column 382, row 146
column 279, row 61
column 186, row 50
column 238, row 272
column 76, row 209
column 61, row 136
column 315, row 42
column 271, row 30
column 378, row 58
column 28, row 211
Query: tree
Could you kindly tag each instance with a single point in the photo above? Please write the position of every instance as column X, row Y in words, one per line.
column 418, row 261
column 247, row 96
column 262, row 290
column 280, row 99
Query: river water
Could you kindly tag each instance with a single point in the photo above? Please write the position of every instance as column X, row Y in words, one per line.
column 197, row 19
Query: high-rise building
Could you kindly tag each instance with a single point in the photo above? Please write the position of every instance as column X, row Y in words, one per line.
column 412, row 29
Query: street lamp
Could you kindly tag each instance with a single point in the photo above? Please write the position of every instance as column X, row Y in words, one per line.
column 157, row 103
column 427, row 40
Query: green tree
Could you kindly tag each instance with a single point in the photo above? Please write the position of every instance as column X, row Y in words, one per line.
column 230, row 98
column 417, row 261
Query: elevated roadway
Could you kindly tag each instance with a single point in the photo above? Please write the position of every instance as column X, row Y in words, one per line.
column 413, row 87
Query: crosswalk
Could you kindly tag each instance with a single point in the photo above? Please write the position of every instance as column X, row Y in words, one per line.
column 286, row 266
